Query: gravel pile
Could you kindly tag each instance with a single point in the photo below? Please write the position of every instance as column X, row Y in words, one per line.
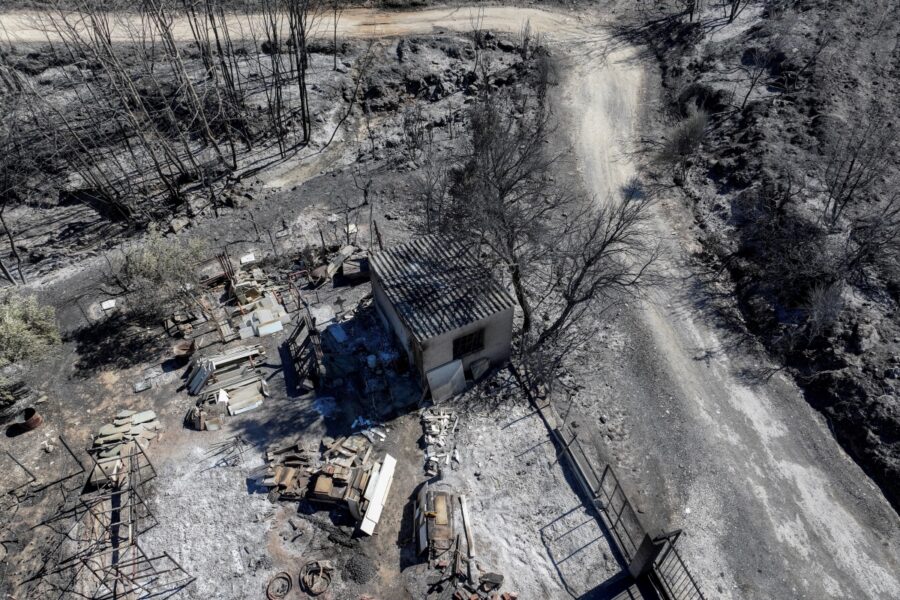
column 360, row 569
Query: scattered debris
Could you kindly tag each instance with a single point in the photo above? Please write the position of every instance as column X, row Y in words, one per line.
column 267, row 318
column 439, row 426
column 221, row 367
column 359, row 568
column 288, row 472
column 345, row 475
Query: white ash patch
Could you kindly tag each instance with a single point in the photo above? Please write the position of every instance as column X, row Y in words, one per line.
column 211, row 526
column 529, row 524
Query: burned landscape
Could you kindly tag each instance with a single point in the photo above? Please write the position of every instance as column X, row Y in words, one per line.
column 590, row 300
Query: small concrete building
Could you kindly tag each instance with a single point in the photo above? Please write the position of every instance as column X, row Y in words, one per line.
column 444, row 306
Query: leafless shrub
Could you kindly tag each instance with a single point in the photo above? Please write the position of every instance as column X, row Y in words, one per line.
column 755, row 64
column 415, row 131
column 683, row 141
column 823, row 308
column 733, row 8
column 431, row 192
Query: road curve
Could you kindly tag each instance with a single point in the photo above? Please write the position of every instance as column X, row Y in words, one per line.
column 772, row 506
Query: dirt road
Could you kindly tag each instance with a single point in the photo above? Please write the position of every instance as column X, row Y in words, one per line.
column 26, row 26
column 772, row 506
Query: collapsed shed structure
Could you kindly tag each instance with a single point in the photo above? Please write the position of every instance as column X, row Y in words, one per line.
column 445, row 308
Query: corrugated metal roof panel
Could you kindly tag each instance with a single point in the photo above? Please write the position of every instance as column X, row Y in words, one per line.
column 437, row 285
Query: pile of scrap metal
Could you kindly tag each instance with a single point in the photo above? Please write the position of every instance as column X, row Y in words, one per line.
column 288, row 472
column 229, row 381
column 346, row 475
column 439, row 425
column 349, row 263
column 440, row 542
column 116, row 441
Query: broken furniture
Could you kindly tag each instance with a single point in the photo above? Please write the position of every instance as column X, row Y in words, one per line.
column 444, row 306
column 441, row 542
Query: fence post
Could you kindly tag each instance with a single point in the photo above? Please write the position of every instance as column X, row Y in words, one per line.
column 646, row 554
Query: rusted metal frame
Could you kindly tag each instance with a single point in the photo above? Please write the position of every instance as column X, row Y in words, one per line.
column 135, row 469
column 133, row 517
column 227, row 267
column 149, row 571
column 24, row 468
column 307, row 353
column 112, row 573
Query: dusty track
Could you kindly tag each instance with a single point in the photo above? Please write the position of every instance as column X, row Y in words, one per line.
column 772, row 505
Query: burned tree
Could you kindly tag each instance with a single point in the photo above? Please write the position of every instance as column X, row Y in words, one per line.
column 566, row 256
column 853, row 163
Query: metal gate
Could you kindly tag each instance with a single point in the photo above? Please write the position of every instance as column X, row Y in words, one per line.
column 672, row 574
column 621, row 517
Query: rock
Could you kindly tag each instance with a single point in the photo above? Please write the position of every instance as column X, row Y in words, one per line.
column 865, row 337
column 143, row 417
column 178, row 223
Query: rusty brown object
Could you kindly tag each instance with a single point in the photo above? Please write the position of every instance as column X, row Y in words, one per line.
column 279, row 586
column 31, row 419
column 315, row 577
